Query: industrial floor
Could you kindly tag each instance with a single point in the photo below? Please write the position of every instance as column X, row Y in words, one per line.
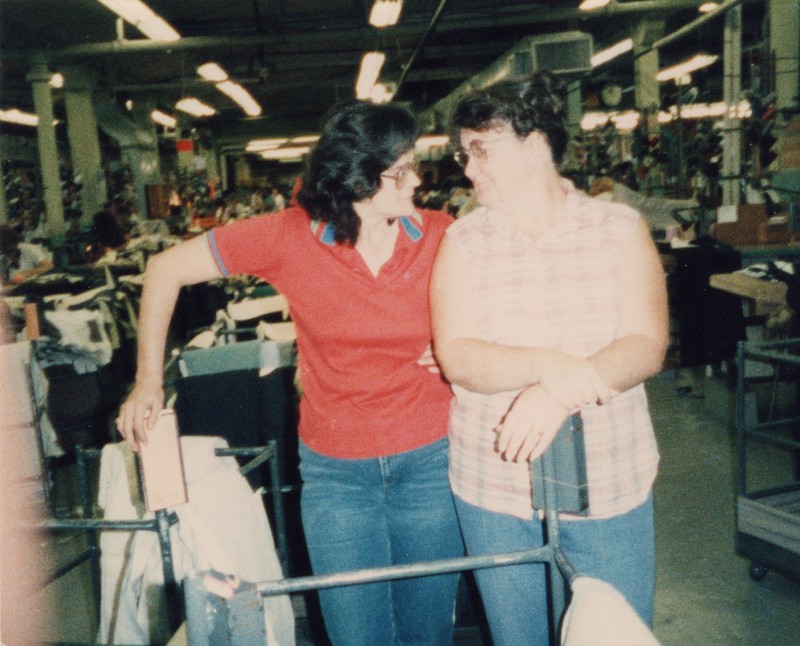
column 704, row 593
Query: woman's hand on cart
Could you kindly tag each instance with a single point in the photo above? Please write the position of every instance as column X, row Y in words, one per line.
column 140, row 411
column 530, row 425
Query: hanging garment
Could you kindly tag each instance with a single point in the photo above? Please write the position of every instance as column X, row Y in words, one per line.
column 223, row 527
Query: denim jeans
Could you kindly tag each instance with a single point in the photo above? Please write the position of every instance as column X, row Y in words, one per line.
column 378, row 512
column 618, row 550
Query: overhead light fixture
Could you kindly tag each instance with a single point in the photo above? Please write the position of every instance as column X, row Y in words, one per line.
column 591, row 5
column 428, row 141
column 241, row 96
column 371, row 64
column 195, row 107
column 385, row 13
column 142, row 17
column 212, row 72
column 381, row 93
column 257, row 145
column 626, row 120
column 677, row 72
column 707, row 7
column 605, row 55
column 57, row 81
column 292, row 152
column 163, row 119
column 304, row 139
column 20, row 118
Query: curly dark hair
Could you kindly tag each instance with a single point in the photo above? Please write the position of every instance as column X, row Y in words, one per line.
column 534, row 103
column 358, row 142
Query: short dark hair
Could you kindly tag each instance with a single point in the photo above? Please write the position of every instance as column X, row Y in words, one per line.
column 358, row 142
column 534, row 103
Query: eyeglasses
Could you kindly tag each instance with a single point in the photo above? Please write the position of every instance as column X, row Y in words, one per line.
column 477, row 150
column 402, row 173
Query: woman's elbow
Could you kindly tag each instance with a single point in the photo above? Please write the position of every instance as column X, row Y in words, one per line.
column 450, row 363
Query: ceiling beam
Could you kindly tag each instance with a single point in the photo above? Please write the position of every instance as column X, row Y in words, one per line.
column 413, row 25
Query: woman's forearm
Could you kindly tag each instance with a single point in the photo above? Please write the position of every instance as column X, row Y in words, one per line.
column 485, row 367
column 159, row 295
column 630, row 360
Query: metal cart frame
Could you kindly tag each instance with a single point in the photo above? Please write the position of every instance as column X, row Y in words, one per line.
column 768, row 520
column 240, row 619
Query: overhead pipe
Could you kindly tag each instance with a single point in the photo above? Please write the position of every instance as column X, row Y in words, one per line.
column 686, row 29
column 501, row 17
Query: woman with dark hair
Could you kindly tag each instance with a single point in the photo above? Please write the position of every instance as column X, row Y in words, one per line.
column 354, row 262
column 546, row 303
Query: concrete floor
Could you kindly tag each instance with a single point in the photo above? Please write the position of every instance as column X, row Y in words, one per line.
column 704, row 594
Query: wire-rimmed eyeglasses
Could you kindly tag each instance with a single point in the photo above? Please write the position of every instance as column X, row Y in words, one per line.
column 402, row 173
column 476, row 150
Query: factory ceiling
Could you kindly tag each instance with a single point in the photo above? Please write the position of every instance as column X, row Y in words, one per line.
column 298, row 58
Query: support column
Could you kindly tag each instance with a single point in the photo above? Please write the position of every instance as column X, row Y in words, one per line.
column 39, row 77
column 574, row 106
column 645, row 66
column 145, row 163
column 732, row 125
column 3, row 201
column 784, row 27
column 84, row 141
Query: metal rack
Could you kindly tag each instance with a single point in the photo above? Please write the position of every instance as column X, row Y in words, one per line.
column 768, row 519
column 240, row 619
column 160, row 523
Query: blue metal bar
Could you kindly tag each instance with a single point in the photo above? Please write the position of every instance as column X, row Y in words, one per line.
column 388, row 573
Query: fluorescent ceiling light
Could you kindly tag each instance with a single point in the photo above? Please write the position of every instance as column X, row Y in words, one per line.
column 305, row 139
column 381, row 93
column 385, row 13
column 163, row 119
column 292, row 152
column 687, row 67
column 212, row 72
column 592, row 120
column 17, row 116
column 605, row 55
column 371, row 64
column 255, row 145
column 196, row 108
column 428, row 141
column 241, row 96
column 706, row 7
column 142, row 17
column 590, row 5
column 626, row 120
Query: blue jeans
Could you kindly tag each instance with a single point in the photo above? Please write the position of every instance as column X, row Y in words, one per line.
column 618, row 550
column 378, row 512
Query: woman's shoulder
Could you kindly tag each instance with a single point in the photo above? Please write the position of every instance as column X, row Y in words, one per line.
column 433, row 218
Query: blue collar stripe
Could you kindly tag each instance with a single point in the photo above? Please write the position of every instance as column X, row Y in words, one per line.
column 328, row 234
column 411, row 228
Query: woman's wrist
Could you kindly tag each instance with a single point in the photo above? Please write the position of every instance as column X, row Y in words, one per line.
column 154, row 379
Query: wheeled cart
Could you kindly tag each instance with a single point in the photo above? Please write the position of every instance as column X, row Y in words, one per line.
column 768, row 518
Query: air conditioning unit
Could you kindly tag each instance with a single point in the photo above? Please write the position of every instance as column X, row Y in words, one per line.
column 565, row 53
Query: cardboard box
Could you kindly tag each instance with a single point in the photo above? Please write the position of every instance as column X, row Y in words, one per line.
column 161, row 463
column 746, row 229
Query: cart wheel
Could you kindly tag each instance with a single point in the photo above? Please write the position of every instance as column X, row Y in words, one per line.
column 757, row 571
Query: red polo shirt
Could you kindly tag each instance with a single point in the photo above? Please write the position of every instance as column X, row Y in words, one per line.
column 359, row 336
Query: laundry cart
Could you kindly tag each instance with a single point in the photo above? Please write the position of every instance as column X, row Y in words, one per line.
column 768, row 425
